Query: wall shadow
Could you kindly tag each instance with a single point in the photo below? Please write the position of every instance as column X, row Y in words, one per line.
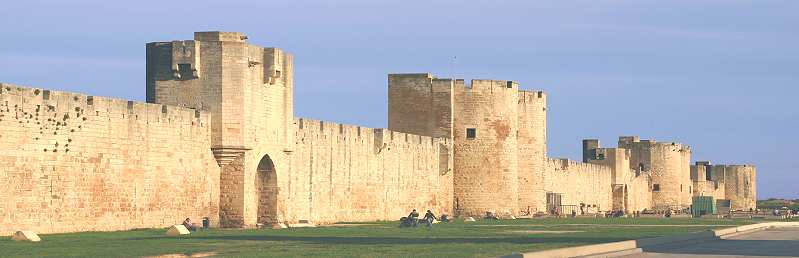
column 734, row 247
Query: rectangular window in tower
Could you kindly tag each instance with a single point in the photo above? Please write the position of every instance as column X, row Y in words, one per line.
column 680, row 187
column 656, row 188
column 185, row 71
column 471, row 133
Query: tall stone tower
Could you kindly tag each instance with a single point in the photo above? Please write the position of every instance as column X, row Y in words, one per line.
column 486, row 150
column 498, row 132
column 419, row 103
column 532, row 144
column 669, row 164
column 249, row 92
column 739, row 185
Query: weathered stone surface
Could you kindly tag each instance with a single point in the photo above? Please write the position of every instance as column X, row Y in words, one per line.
column 219, row 139
column 579, row 183
column 85, row 163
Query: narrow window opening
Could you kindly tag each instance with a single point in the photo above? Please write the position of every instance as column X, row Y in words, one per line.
column 471, row 133
column 185, row 71
column 656, row 188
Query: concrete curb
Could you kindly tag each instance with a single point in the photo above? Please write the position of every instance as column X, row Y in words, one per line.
column 578, row 251
column 622, row 248
column 740, row 230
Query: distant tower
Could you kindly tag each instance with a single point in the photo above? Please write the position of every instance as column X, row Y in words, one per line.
column 419, row 103
column 590, row 147
column 739, row 185
column 249, row 92
column 669, row 164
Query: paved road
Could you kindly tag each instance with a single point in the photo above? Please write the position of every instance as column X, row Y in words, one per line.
column 778, row 242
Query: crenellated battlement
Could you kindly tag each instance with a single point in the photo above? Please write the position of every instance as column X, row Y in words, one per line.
column 220, row 114
column 485, row 85
column 220, row 36
column 627, row 141
column 563, row 164
column 532, row 96
column 29, row 99
column 344, row 132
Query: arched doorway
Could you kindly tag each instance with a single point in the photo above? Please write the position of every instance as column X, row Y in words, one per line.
column 266, row 187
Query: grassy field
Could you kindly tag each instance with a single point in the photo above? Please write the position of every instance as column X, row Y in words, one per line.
column 377, row 239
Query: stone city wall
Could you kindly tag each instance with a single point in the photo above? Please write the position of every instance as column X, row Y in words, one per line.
column 639, row 192
column 631, row 186
column 579, row 183
column 72, row 162
column 704, row 184
column 351, row 173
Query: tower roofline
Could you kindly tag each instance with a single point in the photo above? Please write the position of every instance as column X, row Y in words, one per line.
column 220, row 36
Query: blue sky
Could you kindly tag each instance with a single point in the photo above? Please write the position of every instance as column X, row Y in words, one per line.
column 721, row 76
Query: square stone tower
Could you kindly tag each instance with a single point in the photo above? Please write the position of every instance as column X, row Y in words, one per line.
column 249, row 92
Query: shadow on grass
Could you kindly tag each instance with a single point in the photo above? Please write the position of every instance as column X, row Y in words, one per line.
column 405, row 240
column 782, row 248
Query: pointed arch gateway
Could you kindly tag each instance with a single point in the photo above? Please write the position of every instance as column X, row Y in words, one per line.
column 266, row 187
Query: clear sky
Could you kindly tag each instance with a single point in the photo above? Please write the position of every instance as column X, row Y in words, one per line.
column 721, row 76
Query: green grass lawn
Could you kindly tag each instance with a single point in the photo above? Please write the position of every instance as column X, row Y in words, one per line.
column 376, row 239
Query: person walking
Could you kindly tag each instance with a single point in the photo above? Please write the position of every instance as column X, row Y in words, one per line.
column 428, row 218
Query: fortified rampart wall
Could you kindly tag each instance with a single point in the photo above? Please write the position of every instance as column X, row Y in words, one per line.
column 579, row 183
column 77, row 163
column 704, row 184
column 631, row 186
column 350, row 173
column 639, row 193
column 72, row 162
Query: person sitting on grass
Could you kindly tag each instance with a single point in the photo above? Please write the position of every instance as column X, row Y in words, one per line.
column 414, row 218
column 191, row 226
column 428, row 218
